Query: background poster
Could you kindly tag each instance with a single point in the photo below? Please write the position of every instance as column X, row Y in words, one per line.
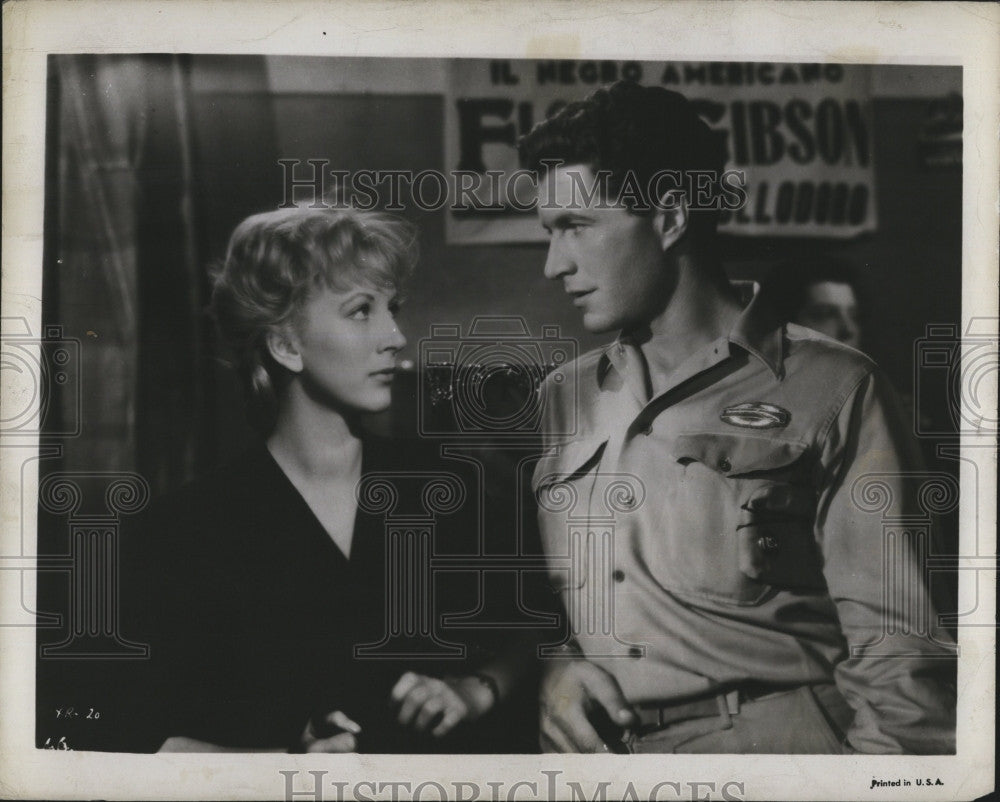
column 800, row 133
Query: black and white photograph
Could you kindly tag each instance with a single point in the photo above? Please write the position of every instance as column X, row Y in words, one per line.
column 467, row 420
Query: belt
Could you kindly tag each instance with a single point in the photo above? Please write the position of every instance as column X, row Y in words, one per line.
column 654, row 716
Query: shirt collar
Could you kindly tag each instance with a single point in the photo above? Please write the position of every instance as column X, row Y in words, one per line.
column 756, row 331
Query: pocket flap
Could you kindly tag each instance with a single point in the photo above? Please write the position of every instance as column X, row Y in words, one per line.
column 564, row 461
column 735, row 454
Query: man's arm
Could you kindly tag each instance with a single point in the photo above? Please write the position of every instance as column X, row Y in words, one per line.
column 899, row 686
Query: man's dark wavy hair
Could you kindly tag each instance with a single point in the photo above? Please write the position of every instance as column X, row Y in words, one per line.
column 629, row 128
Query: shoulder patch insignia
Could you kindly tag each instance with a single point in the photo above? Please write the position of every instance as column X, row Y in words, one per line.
column 756, row 415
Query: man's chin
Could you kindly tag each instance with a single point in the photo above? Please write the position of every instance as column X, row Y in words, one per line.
column 597, row 324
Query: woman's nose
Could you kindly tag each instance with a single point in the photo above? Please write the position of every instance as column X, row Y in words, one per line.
column 393, row 339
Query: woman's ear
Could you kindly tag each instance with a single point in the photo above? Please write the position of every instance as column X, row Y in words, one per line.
column 671, row 218
column 284, row 349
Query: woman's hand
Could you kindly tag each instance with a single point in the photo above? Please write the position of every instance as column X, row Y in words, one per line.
column 439, row 705
column 335, row 732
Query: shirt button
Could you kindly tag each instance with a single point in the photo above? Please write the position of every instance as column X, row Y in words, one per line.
column 767, row 543
column 619, row 575
column 634, row 651
column 725, row 465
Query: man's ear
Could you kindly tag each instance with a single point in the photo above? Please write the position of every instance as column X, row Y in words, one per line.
column 671, row 218
column 284, row 349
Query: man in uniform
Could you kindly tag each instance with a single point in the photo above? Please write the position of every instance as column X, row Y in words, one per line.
column 821, row 294
column 704, row 496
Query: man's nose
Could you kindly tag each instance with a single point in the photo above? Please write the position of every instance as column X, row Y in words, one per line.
column 557, row 261
column 848, row 330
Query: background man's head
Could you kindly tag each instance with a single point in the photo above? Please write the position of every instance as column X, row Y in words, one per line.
column 819, row 293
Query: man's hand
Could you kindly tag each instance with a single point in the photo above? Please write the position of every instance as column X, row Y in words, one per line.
column 427, row 703
column 334, row 733
column 576, row 696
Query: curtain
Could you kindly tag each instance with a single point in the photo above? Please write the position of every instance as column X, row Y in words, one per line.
column 124, row 274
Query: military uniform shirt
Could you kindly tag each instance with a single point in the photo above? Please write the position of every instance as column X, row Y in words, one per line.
column 728, row 529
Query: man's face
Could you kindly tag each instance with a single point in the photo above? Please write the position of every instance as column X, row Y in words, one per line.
column 830, row 307
column 611, row 262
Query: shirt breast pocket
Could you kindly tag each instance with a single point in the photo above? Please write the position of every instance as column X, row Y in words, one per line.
column 562, row 483
column 743, row 528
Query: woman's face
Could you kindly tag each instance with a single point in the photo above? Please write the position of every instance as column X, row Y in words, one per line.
column 347, row 344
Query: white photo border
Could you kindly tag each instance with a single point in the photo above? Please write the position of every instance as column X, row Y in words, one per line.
column 965, row 34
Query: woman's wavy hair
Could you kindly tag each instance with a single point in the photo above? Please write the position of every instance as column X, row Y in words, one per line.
column 276, row 260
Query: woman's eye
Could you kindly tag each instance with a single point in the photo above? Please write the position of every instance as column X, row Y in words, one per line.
column 361, row 313
column 394, row 308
